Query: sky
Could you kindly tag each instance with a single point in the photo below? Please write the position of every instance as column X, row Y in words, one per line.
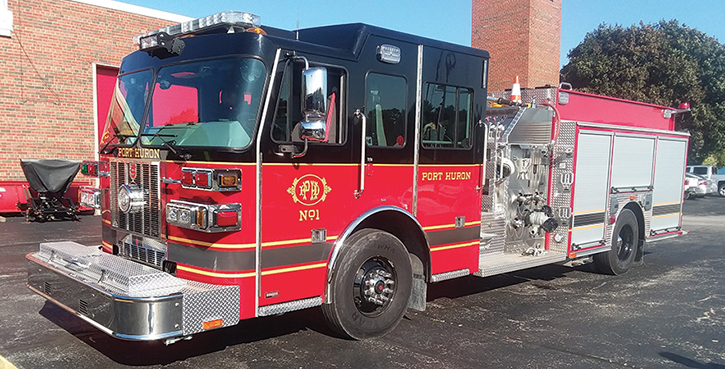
column 450, row 20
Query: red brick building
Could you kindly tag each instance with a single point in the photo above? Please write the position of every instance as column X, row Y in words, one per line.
column 58, row 59
column 523, row 38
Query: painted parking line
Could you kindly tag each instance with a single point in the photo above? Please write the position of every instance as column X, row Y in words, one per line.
column 5, row 364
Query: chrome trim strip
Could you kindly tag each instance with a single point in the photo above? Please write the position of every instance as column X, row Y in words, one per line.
column 258, row 191
column 449, row 275
column 418, row 113
column 363, row 147
column 633, row 129
column 667, row 237
column 289, row 306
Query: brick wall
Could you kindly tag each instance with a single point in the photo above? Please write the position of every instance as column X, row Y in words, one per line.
column 523, row 38
column 46, row 76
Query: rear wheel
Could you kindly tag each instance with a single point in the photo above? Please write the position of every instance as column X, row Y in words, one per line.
column 371, row 285
column 721, row 189
column 625, row 240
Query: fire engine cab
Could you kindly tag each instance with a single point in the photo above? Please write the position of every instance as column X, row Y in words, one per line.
column 249, row 171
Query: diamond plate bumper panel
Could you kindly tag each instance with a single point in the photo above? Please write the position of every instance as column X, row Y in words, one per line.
column 125, row 299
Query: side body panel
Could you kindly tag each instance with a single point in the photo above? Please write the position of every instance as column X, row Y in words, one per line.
column 591, row 187
column 668, row 184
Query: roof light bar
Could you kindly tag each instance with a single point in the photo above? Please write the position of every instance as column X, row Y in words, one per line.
column 228, row 21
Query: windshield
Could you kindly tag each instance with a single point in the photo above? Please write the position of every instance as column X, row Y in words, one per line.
column 213, row 103
column 126, row 110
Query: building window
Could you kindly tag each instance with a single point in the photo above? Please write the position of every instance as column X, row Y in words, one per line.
column 447, row 117
column 385, row 104
column 6, row 19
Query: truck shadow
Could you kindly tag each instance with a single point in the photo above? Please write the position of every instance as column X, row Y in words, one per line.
column 472, row 285
column 135, row 353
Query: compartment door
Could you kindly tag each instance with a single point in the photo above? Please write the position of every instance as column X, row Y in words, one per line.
column 668, row 183
column 591, row 188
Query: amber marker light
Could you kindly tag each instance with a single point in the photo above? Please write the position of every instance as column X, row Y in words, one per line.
column 201, row 218
column 256, row 30
column 228, row 180
column 212, row 324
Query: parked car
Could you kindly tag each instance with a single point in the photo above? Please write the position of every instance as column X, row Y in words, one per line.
column 709, row 172
column 698, row 186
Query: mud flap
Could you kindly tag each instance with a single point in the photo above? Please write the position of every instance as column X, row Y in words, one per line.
column 639, row 256
column 419, row 293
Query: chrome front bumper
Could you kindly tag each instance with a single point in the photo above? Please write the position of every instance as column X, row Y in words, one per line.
column 126, row 299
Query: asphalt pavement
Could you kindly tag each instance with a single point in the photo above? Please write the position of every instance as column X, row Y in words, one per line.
column 667, row 313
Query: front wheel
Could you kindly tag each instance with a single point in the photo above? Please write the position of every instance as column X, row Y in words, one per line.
column 371, row 285
column 625, row 240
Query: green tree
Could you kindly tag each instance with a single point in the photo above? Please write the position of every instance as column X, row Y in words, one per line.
column 664, row 63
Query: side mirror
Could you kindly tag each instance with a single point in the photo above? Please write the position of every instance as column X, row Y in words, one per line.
column 314, row 104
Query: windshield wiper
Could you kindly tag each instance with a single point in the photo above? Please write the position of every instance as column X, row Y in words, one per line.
column 120, row 136
column 168, row 144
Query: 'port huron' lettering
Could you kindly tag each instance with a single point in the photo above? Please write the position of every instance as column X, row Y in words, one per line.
column 446, row 176
column 138, row 153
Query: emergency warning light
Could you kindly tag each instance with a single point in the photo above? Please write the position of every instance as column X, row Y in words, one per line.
column 228, row 21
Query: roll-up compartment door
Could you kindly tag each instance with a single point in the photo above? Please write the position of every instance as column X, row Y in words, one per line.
column 668, row 183
column 590, row 187
column 632, row 162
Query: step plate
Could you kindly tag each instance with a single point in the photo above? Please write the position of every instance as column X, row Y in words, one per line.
column 504, row 263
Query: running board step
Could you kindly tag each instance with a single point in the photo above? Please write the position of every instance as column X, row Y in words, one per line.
column 503, row 263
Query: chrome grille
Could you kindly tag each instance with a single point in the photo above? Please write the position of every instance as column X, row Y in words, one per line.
column 148, row 221
column 141, row 253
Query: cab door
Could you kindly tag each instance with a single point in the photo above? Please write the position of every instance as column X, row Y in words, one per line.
column 305, row 189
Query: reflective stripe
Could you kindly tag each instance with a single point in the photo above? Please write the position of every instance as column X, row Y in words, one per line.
column 432, row 249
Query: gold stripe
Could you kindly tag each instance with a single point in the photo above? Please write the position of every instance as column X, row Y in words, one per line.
column 312, row 164
column 247, row 245
column 106, row 221
column 251, row 274
column 294, row 269
column 214, row 245
column 667, row 203
column 666, row 216
column 588, row 211
column 454, row 246
column 5, row 364
column 104, row 243
column 301, row 240
column 587, row 227
column 392, row 165
column 213, row 274
column 430, row 228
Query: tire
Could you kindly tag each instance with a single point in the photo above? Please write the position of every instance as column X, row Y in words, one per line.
column 721, row 189
column 625, row 240
column 371, row 260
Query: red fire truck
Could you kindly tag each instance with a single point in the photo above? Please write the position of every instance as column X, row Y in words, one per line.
column 249, row 171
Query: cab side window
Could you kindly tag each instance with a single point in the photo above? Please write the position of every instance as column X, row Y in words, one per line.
column 288, row 112
column 385, row 105
column 447, row 117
